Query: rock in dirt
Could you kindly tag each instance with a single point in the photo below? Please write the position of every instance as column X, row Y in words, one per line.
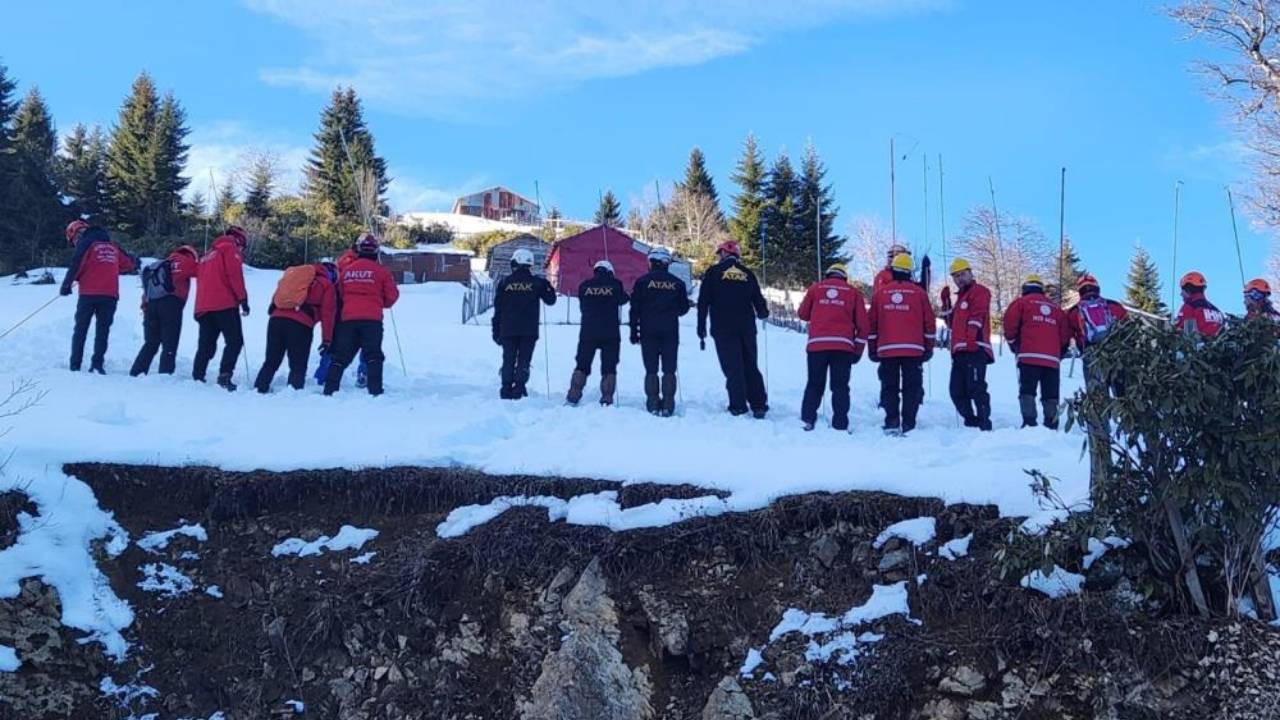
column 728, row 702
column 587, row 679
column 826, row 548
column 670, row 624
column 895, row 560
column 963, row 681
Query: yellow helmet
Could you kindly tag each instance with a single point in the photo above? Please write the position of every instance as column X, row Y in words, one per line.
column 959, row 265
column 902, row 262
column 838, row 269
column 1034, row 279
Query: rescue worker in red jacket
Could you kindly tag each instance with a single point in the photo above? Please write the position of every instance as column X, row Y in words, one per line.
column 902, row 329
column 290, row 330
column 1094, row 317
column 162, row 312
column 885, row 276
column 838, row 330
column 1197, row 314
column 1257, row 301
column 970, row 347
column 95, row 268
column 219, row 292
column 366, row 289
column 1037, row 331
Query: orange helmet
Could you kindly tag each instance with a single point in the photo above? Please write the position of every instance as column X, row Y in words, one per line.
column 1087, row 280
column 1194, row 279
column 74, row 228
column 1258, row 285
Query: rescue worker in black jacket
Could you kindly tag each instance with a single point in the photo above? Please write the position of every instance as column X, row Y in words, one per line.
column 515, row 321
column 731, row 295
column 658, row 300
column 600, row 297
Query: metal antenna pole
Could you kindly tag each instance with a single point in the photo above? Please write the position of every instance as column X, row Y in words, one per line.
column 1062, row 238
column 1236, row 231
column 893, row 194
column 1177, row 205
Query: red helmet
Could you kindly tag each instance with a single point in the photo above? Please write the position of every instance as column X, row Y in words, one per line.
column 1258, row 285
column 237, row 233
column 1194, row 279
column 74, row 228
column 730, row 247
column 187, row 250
column 1087, row 280
column 368, row 244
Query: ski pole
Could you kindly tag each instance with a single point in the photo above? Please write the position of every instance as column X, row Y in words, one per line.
column 395, row 330
column 546, row 350
column 28, row 317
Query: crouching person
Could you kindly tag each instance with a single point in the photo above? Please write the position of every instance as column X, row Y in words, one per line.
column 304, row 297
column 365, row 289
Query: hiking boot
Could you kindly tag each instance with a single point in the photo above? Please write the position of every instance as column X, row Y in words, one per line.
column 577, row 382
column 224, row 382
column 808, row 427
column 652, row 402
column 98, row 370
column 759, row 414
column 608, row 386
column 668, row 394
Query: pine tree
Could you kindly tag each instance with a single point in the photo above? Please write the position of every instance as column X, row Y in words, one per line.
column 224, row 202
column 33, row 199
column 343, row 143
column 777, row 253
column 81, row 172
column 610, row 210
column 749, row 203
column 263, row 171
column 815, row 220
column 697, row 180
column 169, row 158
column 130, row 167
column 9, row 230
column 1142, row 287
column 1066, row 270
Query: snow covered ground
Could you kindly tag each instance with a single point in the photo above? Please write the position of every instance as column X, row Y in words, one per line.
column 446, row 411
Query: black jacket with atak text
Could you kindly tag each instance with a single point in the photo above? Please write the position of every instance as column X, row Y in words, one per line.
column 600, row 297
column 515, row 303
column 658, row 299
column 731, row 295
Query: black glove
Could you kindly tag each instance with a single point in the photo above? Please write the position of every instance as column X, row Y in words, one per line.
column 1066, row 352
column 702, row 343
column 928, row 353
column 244, row 308
column 635, row 336
column 763, row 314
column 1013, row 345
column 64, row 290
column 702, row 332
column 857, row 357
column 496, row 340
column 324, row 348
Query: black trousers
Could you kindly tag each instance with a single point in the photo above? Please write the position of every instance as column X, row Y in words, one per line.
column 660, row 352
column 609, row 350
column 838, row 365
column 1046, row 379
column 517, row 355
column 161, row 330
column 285, row 337
column 101, row 310
column 901, row 390
column 363, row 336
column 742, row 379
column 224, row 323
column 969, row 386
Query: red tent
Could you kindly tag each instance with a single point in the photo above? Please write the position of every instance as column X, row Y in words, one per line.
column 572, row 259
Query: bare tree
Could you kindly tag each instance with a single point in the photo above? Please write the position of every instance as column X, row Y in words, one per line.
column 1247, row 29
column 1273, row 266
column 694, row 226
column 868, row 246
column 1002, row 256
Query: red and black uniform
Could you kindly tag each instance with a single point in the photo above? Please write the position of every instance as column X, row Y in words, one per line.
column 1038, row 332
column 1198, row 315
column 162, row 317
column 219, row 292
column 290, row 332
column 902, row 330
column 882, row 278
column 658, row 300
column 838, row 331
column 366, row 290
column 730, row 296
column 970, row 355
column 95, row 268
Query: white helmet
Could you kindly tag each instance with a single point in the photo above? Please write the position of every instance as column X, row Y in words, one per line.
column 660, row 254
column 604, row 264
column 522, row 256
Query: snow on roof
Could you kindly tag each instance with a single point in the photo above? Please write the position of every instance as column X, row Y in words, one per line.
column 428, row 249
column 462, row 224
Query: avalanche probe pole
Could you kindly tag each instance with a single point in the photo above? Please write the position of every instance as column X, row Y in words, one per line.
column 28, row 317
column 942, row 225
column 764, row 280
column 1236, row 231
column 546, row 330
column 1173, row 285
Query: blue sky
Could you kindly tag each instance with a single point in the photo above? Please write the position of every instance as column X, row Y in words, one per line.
column 581, row 96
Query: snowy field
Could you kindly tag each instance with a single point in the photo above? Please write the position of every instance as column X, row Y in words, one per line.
column 446, row 411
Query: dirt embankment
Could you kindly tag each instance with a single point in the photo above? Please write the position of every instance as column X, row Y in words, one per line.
column 522, row 618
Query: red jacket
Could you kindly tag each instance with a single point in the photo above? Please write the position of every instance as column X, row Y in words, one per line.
column 345, row 259
column 882, row 278
column 1079, row 328
column 1037, row 330
column 902, row 321
column 1199, row 314
column 183, row 266
column 320, row 306
column 220, row 278
column 99, row 268
column 367, row 289
column 837, row 317
column 971, row 321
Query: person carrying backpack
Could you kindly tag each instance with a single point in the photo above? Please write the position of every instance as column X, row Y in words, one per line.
column 515, row 322
column 1093, row 318
column 1039, row 335
column 838, row 330
column 1197, row 315
column 95, row 268
column 303, row 297
column 658, row 300
column 326, row 356
column 219, row 292
column 600, row 296
column 366, row 289
column 166, row 284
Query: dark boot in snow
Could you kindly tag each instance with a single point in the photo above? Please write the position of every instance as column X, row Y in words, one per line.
column 759, row 414
column 333, row 380
column 652, row 402
column 224, row 382
column 97, row 369
column 577, row 384
column 373, row 378
column 608, row 386
column 984, row 415
column 808, row 427
column 1050, row 408
column 1028, row 405
column 668, row 395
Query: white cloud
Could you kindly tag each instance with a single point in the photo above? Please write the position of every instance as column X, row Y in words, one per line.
column 407, row 194
column 221, row 147
column 424, row 57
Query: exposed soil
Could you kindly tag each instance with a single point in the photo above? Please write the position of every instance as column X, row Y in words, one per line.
column 464, row 628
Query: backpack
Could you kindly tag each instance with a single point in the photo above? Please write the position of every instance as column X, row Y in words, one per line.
column 291, row 293
column 1097, row 318
column 157, row 280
